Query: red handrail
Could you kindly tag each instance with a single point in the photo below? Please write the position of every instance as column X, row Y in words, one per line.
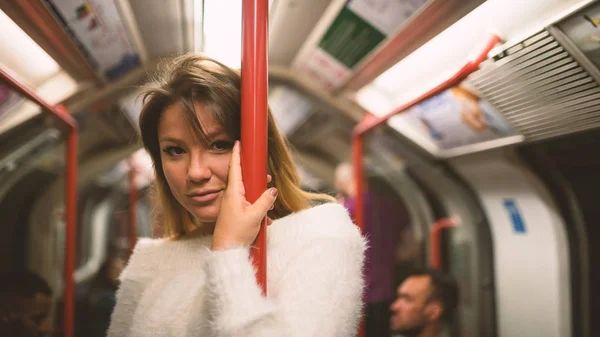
column 370, row 122
column 436, row 242
column 61, row 113
column 133, row 200
column 255, row 16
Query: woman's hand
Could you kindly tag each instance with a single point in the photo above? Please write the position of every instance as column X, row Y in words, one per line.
column 239, row 221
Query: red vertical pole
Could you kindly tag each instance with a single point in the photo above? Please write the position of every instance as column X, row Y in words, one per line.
column 436, row 251
column 133, row 200
column 255, row 14
column 357, row 163
column 71, row 201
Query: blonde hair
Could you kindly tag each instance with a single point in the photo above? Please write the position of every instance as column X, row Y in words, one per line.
column 193, row 78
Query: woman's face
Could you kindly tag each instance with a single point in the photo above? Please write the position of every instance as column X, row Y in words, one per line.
column 196, row 172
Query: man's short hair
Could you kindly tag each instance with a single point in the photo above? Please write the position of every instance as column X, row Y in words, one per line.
column 444, row 290
column 23, row 283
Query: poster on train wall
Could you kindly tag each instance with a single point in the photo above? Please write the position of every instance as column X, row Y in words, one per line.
column 584, row 30
column 457, row 117
column 97, row 27
column 360, row 26
column 9, row 100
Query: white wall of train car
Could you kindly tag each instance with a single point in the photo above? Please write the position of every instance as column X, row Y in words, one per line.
column 531, row 253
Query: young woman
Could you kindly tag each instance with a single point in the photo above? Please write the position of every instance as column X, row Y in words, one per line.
column 199, row 280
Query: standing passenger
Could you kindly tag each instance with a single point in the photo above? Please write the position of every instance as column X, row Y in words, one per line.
column 386, row 221
column 345, row 186
column 199, row 280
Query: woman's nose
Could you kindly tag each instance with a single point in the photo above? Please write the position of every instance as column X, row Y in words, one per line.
column 198, row 168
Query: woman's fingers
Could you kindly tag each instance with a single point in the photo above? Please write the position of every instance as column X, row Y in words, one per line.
column 264, row 203
column 235, row 169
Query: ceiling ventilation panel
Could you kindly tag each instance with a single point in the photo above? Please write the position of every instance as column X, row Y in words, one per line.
column 541, row 88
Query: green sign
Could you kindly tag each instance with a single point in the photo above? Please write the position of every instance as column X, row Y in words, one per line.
column 350, row 38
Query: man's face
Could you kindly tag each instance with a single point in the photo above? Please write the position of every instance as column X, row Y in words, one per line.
column 411, row 310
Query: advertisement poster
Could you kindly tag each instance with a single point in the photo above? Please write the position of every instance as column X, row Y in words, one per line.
column 358, row 29
column 97, row 26
column 457, row 117
column 584, row 30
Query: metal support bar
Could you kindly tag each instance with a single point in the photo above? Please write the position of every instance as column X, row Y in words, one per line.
column 255, row 16
column 436, row 240
column 61, row 113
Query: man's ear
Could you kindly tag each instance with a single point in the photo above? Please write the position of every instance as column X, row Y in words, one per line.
column 434, row 311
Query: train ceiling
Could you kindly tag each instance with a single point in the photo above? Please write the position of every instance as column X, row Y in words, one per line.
column 326, row 57
column 98, row 44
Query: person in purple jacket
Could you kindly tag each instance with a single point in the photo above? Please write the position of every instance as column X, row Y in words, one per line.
column 386, row 220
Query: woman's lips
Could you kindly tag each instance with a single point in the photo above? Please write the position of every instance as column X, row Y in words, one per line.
column 205, row 198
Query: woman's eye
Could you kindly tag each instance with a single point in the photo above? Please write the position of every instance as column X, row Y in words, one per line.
column 173, row 150
column 222, row 145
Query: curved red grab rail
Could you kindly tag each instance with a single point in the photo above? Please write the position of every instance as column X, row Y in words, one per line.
column 436, row 242
column 255, row 16
column 61, row 113
column 370, row 122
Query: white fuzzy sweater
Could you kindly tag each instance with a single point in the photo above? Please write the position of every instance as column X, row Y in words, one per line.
column 182, row 288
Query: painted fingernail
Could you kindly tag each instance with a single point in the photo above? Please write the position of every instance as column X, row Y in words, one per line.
column 274, row 191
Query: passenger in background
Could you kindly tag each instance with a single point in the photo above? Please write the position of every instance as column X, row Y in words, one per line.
column 345, row 186
column 386, row 225
column 198, row 279
column 25, row 303
column 425, row 304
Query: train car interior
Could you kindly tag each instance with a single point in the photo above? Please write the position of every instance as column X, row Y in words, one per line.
column 477, row 120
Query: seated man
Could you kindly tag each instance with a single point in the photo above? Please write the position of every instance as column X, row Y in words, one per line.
column 425, row 302
column 25, row 302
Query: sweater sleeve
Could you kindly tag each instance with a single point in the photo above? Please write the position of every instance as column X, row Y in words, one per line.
column 319, row 292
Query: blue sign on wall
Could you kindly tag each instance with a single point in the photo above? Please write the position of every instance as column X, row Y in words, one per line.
column 515, row 216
